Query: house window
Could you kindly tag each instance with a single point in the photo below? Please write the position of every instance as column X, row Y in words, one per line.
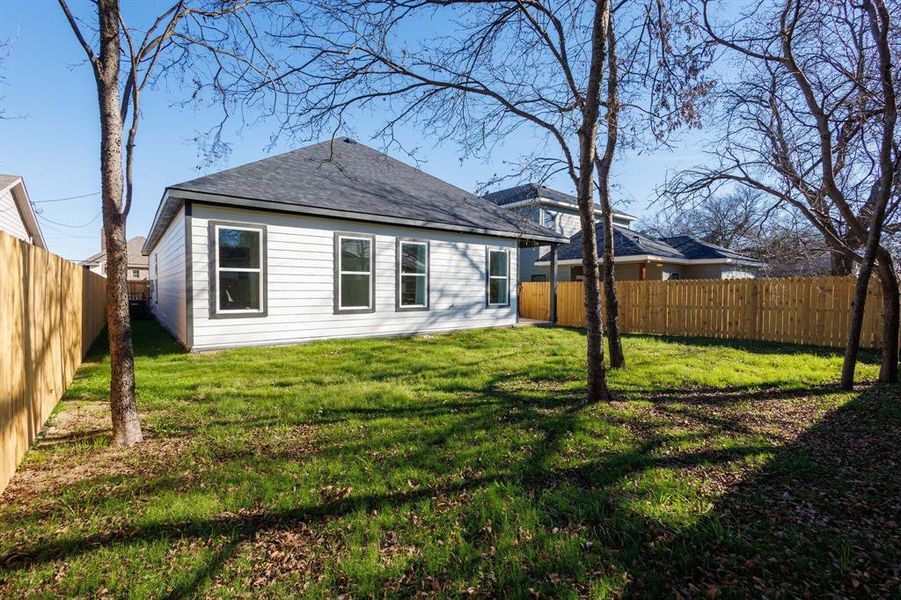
column 135, row 273
column 238, row 270
column 550, row 219
column 498, row 278
column 538, row 278
column 354, row 280
column 577, row 273
column 412, row 275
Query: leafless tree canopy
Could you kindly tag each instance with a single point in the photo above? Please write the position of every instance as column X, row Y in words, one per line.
column 803, row 115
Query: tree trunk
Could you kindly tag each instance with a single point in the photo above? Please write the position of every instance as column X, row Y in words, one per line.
column 604, row 163
column 891, row 315
column 597, row 378
column 614, row 340
column 126, row 424
column 858, row 305
column 840, row 264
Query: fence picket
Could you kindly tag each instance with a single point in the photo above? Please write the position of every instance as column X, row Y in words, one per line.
column 801, row 310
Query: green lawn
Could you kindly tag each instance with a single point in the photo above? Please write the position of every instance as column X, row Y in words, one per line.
column 464, row 464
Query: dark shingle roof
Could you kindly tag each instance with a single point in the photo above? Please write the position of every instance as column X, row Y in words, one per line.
column 533, row 191
column 347, row 179
column 133, row 247
column 692, row 247
column 627, row 242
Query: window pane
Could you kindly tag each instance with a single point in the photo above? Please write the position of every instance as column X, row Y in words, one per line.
column 412, row 258
column 354, row 291
column 497, row 263
column 355, row 255
column 239, row 291
column 497, row 291
column 412, row 291
column 239, row 249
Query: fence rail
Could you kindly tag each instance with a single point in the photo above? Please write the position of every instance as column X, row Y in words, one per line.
column 808, row 310
column 51, row 310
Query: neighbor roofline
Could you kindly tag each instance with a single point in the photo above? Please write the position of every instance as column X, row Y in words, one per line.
column 26, row 211
column 174, row 195
column 557, row 203
column 661, row 259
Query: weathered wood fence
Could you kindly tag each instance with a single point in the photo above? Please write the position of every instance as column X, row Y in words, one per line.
column 799, row 310
column 139, row 290
column 51, row 310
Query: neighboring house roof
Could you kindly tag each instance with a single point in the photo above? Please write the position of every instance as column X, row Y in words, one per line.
column 16, row 184
column 135, row 258
column 629, row 244
column 694, row 248
column 533, row 191
column 345, row 179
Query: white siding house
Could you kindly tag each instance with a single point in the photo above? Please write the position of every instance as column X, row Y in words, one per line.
column 241, row 268
column 17, row 217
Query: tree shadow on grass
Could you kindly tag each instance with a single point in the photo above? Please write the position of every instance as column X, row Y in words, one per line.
column 819, row 519
column 825, row 494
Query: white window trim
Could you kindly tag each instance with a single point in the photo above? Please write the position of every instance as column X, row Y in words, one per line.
column 342, row 272
column 401, row 274
column 490, row 277
column 242, row 311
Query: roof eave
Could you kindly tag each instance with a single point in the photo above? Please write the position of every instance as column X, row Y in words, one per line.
column 175, row 195
column 26, row 210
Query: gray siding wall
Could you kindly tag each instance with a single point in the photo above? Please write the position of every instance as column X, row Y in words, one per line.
column 10, row 217
column 167, row 272
column 300, row 282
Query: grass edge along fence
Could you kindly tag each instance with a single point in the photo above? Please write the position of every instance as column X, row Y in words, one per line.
column 51, row 311
column 797, row 310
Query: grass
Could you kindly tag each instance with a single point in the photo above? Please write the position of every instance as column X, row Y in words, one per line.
column 463, row 464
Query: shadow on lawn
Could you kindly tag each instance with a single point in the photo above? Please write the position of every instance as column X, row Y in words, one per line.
column 821, row 516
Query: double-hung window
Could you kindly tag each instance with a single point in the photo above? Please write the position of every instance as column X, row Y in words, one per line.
column 498, row 278
column 412, row 275
column 354, row 273
column 238, row 270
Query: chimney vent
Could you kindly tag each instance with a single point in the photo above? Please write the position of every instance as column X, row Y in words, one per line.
column 102, row 240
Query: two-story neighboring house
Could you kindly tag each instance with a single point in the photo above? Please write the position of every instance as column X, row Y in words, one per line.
column 137, row 262
column 636, row 256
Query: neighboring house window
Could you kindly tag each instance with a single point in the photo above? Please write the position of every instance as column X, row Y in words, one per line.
column 412, row 275
column 238, row 270
column 135, row 273
column 577, row 273
column 354, row 273
column 550, row 219
column 674, row 276
column 539, row 278
column 498, row 278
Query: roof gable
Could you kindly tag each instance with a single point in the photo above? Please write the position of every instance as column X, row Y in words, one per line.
column 133, row 248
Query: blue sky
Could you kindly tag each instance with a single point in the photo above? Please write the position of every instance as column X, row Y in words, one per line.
column 51, row 136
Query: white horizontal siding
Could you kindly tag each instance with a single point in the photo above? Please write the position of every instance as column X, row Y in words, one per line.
column 10, row 217
column 300, row 282
column 167, row 271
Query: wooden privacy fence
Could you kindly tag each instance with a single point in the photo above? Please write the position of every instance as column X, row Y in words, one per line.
column 139, row 290
column 51, row 311
column 798, row 310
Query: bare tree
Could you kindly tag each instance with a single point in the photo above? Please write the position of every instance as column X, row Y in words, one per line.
column 655, row 85
column 811, row 120
column 502, row 67
column 164, row 45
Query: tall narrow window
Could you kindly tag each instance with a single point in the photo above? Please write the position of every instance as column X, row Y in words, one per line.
column 354, row 263
column 238, row 270
column 412, row 275
column 498, row 278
